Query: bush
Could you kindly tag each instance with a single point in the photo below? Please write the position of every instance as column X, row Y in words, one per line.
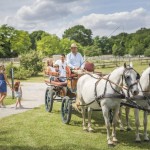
column 147, row 52
column 21, row 73
column 31, row 62
column 8, row 69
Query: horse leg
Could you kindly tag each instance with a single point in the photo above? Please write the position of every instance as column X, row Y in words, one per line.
column 105, row 111
column 89, row 120
column 114, row 123
column 127, row 110
column 83, row 117
column 145, row 120
column 137, row 124
column 120, row 120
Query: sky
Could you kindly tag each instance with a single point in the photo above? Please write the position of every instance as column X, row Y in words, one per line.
column 55, row 16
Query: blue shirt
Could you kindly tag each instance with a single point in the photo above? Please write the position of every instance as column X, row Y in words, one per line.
column 74, row 61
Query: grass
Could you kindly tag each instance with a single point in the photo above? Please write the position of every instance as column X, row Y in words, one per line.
column 39, row 78
column 136, row 64
column 9, row 101
column 40, row 130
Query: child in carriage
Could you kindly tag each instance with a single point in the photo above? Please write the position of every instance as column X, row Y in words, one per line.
column 55, row 75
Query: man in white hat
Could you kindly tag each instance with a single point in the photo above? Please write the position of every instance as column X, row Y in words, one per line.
column 74, row 59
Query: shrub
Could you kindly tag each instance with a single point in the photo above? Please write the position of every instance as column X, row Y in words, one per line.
column 147, row 52
column 8, row 69
column 21, row 73
column 31, row 62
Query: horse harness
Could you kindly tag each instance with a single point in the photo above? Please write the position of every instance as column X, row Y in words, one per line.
column 120, row 95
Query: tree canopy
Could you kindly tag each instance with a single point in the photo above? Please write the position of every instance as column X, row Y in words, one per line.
column 79, row 34
column 15, row 42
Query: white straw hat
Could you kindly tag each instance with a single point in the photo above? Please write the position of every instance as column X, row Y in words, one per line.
column 73, row 45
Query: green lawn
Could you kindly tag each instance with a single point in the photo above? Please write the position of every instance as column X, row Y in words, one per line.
column 40, row 130
column 136, row 65
column 9, row 101
column 38, row 78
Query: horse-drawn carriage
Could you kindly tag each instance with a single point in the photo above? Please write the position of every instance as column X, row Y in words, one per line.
column 65, row 92
column 107, row 92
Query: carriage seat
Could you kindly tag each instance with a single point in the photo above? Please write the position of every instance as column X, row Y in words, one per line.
column 69, row 73
column 54, row 83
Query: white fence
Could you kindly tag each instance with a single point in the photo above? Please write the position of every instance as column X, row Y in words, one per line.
column 8, row 60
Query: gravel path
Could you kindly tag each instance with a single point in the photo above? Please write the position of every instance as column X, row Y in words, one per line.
column 33, row 96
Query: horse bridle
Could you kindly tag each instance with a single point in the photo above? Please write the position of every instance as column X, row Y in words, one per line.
column 126, row 82
column 119, row 95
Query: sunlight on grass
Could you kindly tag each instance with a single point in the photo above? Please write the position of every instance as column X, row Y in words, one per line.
column 40, row 130
column 9, row 101
column 136, row 64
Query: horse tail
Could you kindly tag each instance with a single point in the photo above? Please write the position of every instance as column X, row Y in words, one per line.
column 77, row 104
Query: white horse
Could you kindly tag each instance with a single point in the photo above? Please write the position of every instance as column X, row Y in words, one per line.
column 142, row 99
column 103, row 93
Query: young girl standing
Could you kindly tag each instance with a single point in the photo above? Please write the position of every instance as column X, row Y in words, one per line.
column 3, row 85
column 18, row 94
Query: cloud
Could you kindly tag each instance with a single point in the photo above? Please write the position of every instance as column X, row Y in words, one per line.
column 44, row 13
column 55, row 16
column 103, row 24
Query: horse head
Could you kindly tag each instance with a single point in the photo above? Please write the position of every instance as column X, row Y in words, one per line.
column 130, row 78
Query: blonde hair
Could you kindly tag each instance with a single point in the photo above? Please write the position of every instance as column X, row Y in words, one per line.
column 2, row 68
column 56, row 65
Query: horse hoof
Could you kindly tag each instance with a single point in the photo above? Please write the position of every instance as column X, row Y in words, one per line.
column 91, row 130
column 138, row 142
column 129, row 129
column 146, row 140
column 85, row 129
column 111, row 145
column 115, row 140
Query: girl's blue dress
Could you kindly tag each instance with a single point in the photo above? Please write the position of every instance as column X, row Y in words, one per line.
column 3, row 86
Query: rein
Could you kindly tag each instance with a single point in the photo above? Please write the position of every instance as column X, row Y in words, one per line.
column 133, row 104
column 104, row 95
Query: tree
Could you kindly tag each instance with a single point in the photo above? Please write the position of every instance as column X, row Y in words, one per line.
column 48, row 45
column 79, row 34
column 36, row 36
column 20, row 42
column 103, row 43
column 65, row 45
column 137, row 49
column 118, row 49
column 93, row 50
column 6, row 33
column 147, row 52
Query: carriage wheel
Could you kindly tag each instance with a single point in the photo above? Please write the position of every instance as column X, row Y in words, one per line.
column 49, row 99
column 66, row 109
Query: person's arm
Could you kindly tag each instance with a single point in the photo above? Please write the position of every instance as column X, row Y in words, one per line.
column 6, row 79
column 20, row 90
column 69, row 62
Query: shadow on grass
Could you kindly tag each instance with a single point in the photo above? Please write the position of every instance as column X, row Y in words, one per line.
column 58, row 147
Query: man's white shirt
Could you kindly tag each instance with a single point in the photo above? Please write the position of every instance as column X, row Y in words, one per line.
column 62, row 67
column 75, row 60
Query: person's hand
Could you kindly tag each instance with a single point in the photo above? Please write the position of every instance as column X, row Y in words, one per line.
column 77, row 68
